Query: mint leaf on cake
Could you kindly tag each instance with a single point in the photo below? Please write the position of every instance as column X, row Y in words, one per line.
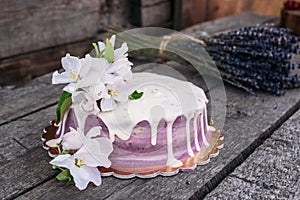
column 136, row 95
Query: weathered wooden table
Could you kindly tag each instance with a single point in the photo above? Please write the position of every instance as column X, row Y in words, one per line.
column 260, row 158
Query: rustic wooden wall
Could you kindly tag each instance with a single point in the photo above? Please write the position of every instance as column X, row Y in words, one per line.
column 35, row 34
column 196, row 11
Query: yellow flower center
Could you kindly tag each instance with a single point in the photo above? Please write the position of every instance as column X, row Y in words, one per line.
column 79, row 162
column 112, row 92
column 74, row 76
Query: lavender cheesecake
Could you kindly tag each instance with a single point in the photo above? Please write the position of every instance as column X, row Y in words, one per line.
column 163, row 131
column 110, row 121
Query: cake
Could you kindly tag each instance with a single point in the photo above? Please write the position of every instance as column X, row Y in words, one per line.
column 111, row 121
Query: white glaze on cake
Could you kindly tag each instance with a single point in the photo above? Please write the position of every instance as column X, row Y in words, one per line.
column 164, row 98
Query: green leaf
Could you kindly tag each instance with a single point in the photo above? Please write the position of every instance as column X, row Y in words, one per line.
column 109, row 52
column 65, row 152
column 71, row 182
column 65, row 101
column 98, row 55
column 54, row 167
column 64, row 175
column 135, row 95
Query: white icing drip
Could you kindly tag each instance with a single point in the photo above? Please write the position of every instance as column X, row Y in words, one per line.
column 188, row 137
column 164, row 98
column 203, row 130
column 196, row 132
column 154, row 133
column 172, row 161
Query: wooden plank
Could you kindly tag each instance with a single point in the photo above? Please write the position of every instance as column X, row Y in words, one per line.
column 28, row 130
column 33, row 169
column 271, row 172
column 33, row 25
column 24, row 172
column 10, row 149
column 145, row 3
column 220, row 8
column 233, row 22
column 18, row 102
column 158, row 14
column 241, row 138
column 192, row 12
column 267, row 7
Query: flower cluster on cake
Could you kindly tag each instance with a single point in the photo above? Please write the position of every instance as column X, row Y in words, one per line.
column 110, row 121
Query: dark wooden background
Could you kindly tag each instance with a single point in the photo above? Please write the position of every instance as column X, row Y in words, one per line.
column 35, row 34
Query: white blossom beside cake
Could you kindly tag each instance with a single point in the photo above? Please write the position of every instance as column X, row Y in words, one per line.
column 110, row 121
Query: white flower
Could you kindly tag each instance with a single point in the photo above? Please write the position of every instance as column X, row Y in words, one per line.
column 87, row 98
column 117, row 92
column 83, row 164
column 71, row 140
column 121, row 67
column 72, row 66
column 102, row 46
column 91, row 72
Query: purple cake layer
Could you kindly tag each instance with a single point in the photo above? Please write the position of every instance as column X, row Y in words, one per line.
column 138, row 151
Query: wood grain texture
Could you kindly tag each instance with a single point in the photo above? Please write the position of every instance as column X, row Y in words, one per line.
column 20, row 101
column 291, row 19
column 10, row 149
column 28, row 130
column 241, row 137
column 193, row 12
column 157, row 14
column 271, row 172
column 31, row 25
column 229, row 23
column 196, row 11
column 224, row 8
column 18, row 175
column 146, row 3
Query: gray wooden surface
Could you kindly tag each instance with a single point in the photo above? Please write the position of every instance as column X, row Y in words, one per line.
column 26, row 174
column 271, row 172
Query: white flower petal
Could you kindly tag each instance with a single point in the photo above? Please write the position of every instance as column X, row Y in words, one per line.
column 71, row 87
column 121, row 52
column 92, row 155
column 81, row 175
column 94, row 132
column 105, row 145
column 101, row 46
column 95, row 176
column 112, row 40
column 107, row 104
column 62, row 161
column 97, row 92
column 65, row 62
column 71, row 63
column 78, row 97
column 92, row 71
column 128, row 76
column 61, row 78
column 71, row 140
